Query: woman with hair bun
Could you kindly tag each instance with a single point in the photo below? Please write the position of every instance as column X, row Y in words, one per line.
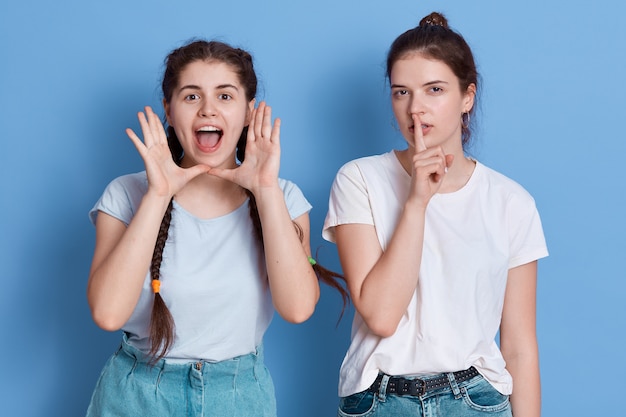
column 439, row 253
column 193, row 254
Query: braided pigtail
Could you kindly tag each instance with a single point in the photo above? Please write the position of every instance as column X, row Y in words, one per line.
column 331, row 278
column 161, row 321
column 254, row 215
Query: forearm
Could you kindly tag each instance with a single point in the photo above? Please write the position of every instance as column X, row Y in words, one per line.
column 388, row 287
column 518, row 340
column 293, row 283
column 121, row 263
column 526, row 397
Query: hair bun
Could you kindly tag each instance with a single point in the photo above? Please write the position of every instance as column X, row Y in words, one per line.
column 434, row 19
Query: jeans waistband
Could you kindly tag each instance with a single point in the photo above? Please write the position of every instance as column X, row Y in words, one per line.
column 418, row 387
column 244, row 361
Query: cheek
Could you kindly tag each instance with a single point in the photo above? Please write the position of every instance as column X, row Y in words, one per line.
column 399, row 109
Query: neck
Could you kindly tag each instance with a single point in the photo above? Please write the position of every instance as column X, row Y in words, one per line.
column 208, row 197
column 458, row 174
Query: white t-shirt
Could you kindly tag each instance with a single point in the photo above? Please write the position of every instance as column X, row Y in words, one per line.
column 213, row 276
column 472, row 238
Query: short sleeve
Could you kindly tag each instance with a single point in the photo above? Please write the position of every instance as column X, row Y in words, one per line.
column 296, row 202
column 349, row 201
column 527, row 241
column 121, row 197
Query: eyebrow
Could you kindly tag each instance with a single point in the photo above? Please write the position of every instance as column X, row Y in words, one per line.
column 219, row 87
column 423, row 85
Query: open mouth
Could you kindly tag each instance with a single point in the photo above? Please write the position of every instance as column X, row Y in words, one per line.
column 208, row 137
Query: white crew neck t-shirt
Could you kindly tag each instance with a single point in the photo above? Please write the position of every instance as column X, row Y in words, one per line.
column 472, row 238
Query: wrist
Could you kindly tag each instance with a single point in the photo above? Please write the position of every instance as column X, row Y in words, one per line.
column 415, row 206
column 267, row 191
column 155, row 199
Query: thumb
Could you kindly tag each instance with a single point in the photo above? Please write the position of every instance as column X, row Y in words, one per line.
column 194, row 171
column 226, row 174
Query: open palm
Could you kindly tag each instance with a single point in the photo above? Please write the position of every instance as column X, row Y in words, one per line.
column 164, row 176
column 262, row 161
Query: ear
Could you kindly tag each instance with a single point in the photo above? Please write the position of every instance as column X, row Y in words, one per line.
column 166, row 107
column 468, row 99
column 251, row 104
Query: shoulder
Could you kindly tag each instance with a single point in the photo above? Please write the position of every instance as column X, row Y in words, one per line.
column 367, row 163
column 121, row 197
column 136, row 181
column 296, row 202
column 503, row 185
column 287, row 185
column 127, row 185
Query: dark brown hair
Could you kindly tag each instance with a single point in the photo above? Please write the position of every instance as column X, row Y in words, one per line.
column 162, row 323
column 433, row 39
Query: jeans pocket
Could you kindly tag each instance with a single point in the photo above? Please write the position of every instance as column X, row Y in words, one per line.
column 359, row 404
column 484, row 397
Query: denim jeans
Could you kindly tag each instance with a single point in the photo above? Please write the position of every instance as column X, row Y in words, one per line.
column 474, row 397
column 129, row 386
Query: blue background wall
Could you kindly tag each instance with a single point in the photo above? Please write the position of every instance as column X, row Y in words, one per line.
column 73, row 74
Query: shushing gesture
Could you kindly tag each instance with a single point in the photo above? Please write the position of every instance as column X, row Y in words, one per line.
column 262, row 159
column 429, row 166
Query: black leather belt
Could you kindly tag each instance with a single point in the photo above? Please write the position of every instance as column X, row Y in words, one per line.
column 417, row 387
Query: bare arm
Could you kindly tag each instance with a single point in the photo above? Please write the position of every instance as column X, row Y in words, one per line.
column 121, row 260
column 518, row 340
column 381, row 284
column 293, row 283
column 122, row 255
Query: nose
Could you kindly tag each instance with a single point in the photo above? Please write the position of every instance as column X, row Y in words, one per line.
column 416, row 106
column 207, row 109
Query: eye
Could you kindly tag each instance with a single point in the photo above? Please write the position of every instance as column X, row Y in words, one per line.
column 225, row 97
column 436, row 90
column 400, row 93
column 192, row 97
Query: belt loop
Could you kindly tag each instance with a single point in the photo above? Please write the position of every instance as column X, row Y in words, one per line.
column 382, row 390
column 453, row 384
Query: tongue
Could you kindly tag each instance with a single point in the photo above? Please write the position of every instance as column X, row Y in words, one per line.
column 208, row 139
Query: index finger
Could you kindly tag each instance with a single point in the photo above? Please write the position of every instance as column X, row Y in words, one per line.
column 418, row 135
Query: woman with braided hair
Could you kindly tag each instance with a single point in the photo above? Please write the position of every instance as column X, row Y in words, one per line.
column 193, row 254
column 439, row 252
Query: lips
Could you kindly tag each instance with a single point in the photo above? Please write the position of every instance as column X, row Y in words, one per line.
column 425, row 128
column 208, row 137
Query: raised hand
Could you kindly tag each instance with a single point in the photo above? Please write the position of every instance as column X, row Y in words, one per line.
column 262, row 162
column 165, row 178
column 429, row 166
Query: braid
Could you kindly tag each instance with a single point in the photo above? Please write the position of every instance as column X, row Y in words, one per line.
column 332, row 279
column 254, row 215
column 161, row 322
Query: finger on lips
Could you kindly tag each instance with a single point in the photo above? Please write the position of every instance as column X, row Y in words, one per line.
column 418, row 136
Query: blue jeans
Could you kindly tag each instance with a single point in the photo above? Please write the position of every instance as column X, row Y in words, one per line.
column 474, row 397
column 129, row 386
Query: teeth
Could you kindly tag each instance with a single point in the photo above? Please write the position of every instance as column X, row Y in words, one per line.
column 209, row 129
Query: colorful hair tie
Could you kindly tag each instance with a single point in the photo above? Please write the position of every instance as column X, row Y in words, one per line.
column 312, row 261
column 156, row 286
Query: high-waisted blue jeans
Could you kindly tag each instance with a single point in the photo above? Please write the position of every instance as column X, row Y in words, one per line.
column 129, row 386
column 472, row 398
